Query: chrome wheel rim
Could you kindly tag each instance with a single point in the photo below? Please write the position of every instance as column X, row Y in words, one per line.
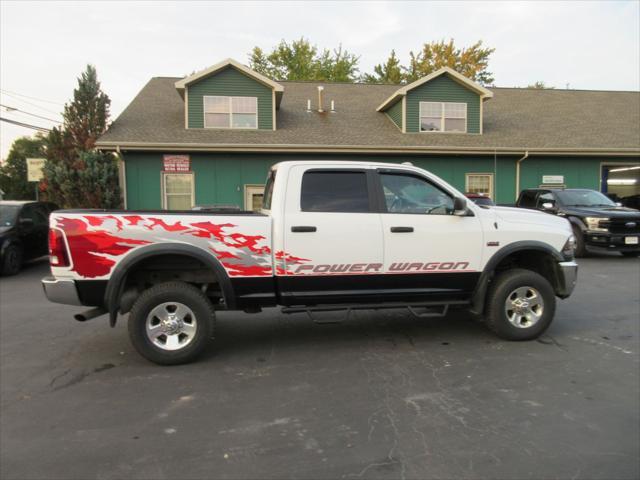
column 171, row 326
column 524, row 307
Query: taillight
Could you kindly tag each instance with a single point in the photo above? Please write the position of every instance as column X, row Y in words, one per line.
column 58, row 256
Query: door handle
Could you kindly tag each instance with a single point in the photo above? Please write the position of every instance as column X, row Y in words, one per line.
column 302, row 229
column 401, row 229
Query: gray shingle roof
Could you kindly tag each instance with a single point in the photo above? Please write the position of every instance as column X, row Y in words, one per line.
column 515, row 119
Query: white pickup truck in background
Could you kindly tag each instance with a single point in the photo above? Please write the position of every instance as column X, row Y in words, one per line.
column 331, row 235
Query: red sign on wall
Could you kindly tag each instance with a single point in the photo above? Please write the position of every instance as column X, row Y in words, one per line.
column 176, row 163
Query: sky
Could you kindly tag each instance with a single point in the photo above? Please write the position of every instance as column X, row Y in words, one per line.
column 44, row 46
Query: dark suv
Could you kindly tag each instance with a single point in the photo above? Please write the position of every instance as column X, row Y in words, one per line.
column 24, row 229
column 597, row 221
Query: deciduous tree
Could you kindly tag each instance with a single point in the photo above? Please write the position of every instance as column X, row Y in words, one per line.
column 13, row 172
column 299, row 60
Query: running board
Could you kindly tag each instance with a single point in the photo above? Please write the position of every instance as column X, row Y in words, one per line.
column 419, row 310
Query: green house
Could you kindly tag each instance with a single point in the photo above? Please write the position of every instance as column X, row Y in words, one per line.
column 210, row 138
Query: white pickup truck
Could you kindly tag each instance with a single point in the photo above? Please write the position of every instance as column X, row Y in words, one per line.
column 332, row 235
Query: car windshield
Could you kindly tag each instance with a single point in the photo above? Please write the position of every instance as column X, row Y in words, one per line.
column 584, row 198
column 8, row 214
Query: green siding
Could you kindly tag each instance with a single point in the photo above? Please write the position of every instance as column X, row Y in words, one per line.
column 442, row 89
column 220, row 178
column 578, row 172
column 395, row 113
column 229, row 82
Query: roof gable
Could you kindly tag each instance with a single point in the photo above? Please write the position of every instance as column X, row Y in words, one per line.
column 229, row 62
column 461, row 79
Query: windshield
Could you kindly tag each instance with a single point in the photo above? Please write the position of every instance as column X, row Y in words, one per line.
column 584, row 198
column 8, row 214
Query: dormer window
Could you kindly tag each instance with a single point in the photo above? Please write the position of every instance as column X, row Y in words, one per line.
column 443, row 117
column 230, row 112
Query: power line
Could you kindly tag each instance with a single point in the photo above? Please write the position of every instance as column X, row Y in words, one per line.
column 25, row 125
column 8, row 92
column 30, row 103
column 13, row 109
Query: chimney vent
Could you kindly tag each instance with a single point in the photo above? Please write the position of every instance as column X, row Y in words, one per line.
column 308, row 104
column 333, row 106
column 320, row 89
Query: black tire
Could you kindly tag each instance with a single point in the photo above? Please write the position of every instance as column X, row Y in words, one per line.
column 165, row 293
column 11, row 260
column 501, row 288
column 630, row 254
column 581, row 250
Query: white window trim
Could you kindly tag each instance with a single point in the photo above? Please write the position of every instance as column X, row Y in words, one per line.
column 480, row 174
column 164, row 187
column 230, row 99
column 442, row 117
column 249, row 191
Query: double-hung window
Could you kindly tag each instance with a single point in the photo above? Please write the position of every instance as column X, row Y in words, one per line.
column 443, row 117
column 480, row 183
column 178, row 191
column 230, row 112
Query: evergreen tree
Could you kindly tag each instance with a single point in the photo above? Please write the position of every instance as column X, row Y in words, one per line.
column 75, row 175
column 388, row 72
column 13, row 172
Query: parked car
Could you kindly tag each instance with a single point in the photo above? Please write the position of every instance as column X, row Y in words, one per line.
column 597, row 222
column 24, row 226
column 480, row 199
column 331, row 236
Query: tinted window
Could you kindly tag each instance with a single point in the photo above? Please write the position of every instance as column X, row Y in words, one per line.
column 34, row 212
column 527, row 199
column 334, row 192
column 268, row 190
column 409, row 194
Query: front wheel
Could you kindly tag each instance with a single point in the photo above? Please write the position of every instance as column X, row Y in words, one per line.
column 581, row 250
column 520, row 305
column 171, row 323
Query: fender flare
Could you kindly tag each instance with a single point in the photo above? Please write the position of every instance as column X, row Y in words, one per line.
column 480, row 292
column 115, row 286
column 577, row 221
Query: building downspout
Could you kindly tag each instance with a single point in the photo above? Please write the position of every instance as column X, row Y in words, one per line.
column 526, row 155
column 123, row 185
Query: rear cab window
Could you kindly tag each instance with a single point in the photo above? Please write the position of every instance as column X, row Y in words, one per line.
column 343, row 191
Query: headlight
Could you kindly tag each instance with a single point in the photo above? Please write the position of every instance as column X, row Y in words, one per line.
column 594, row 224
column 569, row 248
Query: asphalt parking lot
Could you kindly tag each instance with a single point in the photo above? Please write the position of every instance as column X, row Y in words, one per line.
column 381, row 395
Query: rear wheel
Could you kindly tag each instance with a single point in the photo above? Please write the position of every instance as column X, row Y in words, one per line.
column 520, row 305
column 171, row 323
column 11, row 261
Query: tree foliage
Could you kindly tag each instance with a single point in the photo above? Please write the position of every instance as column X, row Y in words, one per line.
column 539, row 85
column 389, row 72
column 472, row 62
column 75, row 175
column 299, row 60
column 13, row 172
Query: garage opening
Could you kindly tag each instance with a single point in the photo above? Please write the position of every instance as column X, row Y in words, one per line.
column 621, row 183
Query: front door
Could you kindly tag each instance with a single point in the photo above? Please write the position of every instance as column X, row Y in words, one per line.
column 332, row 237
column 428, row 251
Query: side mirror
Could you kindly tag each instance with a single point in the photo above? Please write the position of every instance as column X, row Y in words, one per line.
column 549, row 207
column 459, row 206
